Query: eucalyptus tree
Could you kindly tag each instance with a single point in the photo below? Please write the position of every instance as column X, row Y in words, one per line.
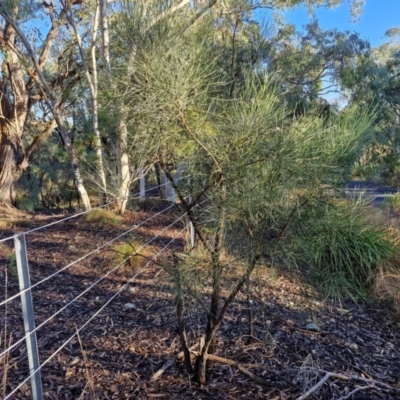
column 309, row 64
column 122, row 157
column 90, row 69
column 32, row 92
column 374, row 79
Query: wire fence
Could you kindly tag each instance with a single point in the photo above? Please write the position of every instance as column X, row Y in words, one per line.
column 88, row 211
column 25, row 293
column 87, row 255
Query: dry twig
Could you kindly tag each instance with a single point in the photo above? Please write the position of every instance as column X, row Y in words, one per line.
column 370, row 382
column 355, row 391
column 161, row 371
column 238, row 366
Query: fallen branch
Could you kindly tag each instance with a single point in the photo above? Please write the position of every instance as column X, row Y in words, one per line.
column 360, row 379
column 228, row 361
column 161, row 371
column 251, row 375
column 222, row 360
column 315, row 387
column 370, row 382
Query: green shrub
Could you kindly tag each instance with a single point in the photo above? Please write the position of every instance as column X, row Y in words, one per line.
column 24, row 201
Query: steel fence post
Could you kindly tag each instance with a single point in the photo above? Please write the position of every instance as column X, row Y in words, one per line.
column 192, row 231
column 28, row 315
column 142, row 182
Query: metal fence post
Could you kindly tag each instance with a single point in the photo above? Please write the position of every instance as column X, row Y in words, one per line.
column 142, row 182
column 29, row 320
column 192, row 235
column 192, row 231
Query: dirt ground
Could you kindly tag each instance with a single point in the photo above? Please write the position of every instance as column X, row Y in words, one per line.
column 118, row 353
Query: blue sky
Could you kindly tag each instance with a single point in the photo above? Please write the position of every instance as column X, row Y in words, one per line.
column 377, row 18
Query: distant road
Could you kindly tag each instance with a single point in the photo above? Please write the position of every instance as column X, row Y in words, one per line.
column 377, row 193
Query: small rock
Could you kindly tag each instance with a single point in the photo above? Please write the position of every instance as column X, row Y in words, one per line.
column 353, row 346
column 312, row 327
column 129, row 306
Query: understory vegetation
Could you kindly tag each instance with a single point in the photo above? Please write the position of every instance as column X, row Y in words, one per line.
column 224, row 117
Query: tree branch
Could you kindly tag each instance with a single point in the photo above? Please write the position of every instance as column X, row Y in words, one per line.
column 36, row 141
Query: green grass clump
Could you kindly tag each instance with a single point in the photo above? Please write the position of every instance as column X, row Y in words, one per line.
column 345, row 248
column 131, row 254
column 102, row 217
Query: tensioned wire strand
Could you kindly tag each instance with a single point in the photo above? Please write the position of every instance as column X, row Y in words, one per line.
column 84, row 257
column 83, row 212
column 94, row 315
column 89, row 288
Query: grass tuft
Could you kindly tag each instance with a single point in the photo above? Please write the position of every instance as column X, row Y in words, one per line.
column 131, row 253
column 102, row 217
column 345, row 248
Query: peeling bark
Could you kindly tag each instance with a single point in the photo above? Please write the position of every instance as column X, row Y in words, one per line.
column 12, row 162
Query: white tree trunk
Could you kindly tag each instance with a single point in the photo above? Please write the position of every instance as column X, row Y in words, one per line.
column 99, row 153
column 124, row 178
column 91, row 77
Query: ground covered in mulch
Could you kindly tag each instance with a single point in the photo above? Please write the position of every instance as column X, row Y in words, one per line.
column 120, row 352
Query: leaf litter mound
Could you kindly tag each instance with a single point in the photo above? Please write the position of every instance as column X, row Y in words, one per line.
column 299, row 347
